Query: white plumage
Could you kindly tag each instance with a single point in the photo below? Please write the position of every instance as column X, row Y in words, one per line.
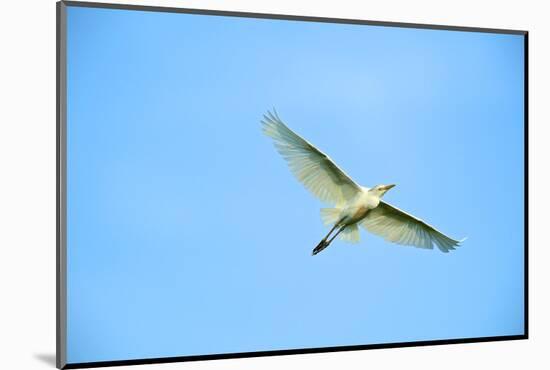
column 353, row 204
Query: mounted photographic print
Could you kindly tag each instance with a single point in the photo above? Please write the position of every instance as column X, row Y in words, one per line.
column 236, row 184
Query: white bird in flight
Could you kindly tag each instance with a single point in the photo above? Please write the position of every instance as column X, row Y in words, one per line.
column 353, row 204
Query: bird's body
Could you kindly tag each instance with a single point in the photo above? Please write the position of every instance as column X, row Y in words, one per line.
column 359, row 206
column 354, row 205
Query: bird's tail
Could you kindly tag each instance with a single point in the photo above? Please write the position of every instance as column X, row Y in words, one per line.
column 350, row 234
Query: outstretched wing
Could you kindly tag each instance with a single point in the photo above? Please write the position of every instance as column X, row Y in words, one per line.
column 399, row 227
column 313, row 168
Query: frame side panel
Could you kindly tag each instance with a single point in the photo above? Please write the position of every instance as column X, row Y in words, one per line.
column 61, row 186
column 526, row 183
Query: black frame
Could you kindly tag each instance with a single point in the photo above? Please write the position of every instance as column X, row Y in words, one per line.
column 61, row 184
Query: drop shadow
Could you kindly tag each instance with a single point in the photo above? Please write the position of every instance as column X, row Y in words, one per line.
column 47, row 358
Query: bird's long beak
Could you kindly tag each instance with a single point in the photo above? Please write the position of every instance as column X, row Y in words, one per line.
column 388, row 187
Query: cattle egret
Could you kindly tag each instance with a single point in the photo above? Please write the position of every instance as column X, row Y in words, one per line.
column 353, row 204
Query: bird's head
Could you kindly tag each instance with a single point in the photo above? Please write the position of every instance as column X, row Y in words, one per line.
column 380, row 190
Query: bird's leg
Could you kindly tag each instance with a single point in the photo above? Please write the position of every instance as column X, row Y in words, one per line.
column 324, row 243
column 330, row 232
column 335, row 235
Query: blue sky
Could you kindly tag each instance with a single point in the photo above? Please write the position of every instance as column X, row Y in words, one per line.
column 187, row 233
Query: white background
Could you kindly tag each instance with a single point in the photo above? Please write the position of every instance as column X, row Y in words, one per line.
column 27, row 183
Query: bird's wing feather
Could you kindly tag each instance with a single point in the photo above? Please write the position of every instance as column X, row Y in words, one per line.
column 399, row 227
column 313, row 168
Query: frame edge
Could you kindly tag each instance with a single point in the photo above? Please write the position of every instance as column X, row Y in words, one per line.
column 526, row 183
column 61, row 186
column 289, row 17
